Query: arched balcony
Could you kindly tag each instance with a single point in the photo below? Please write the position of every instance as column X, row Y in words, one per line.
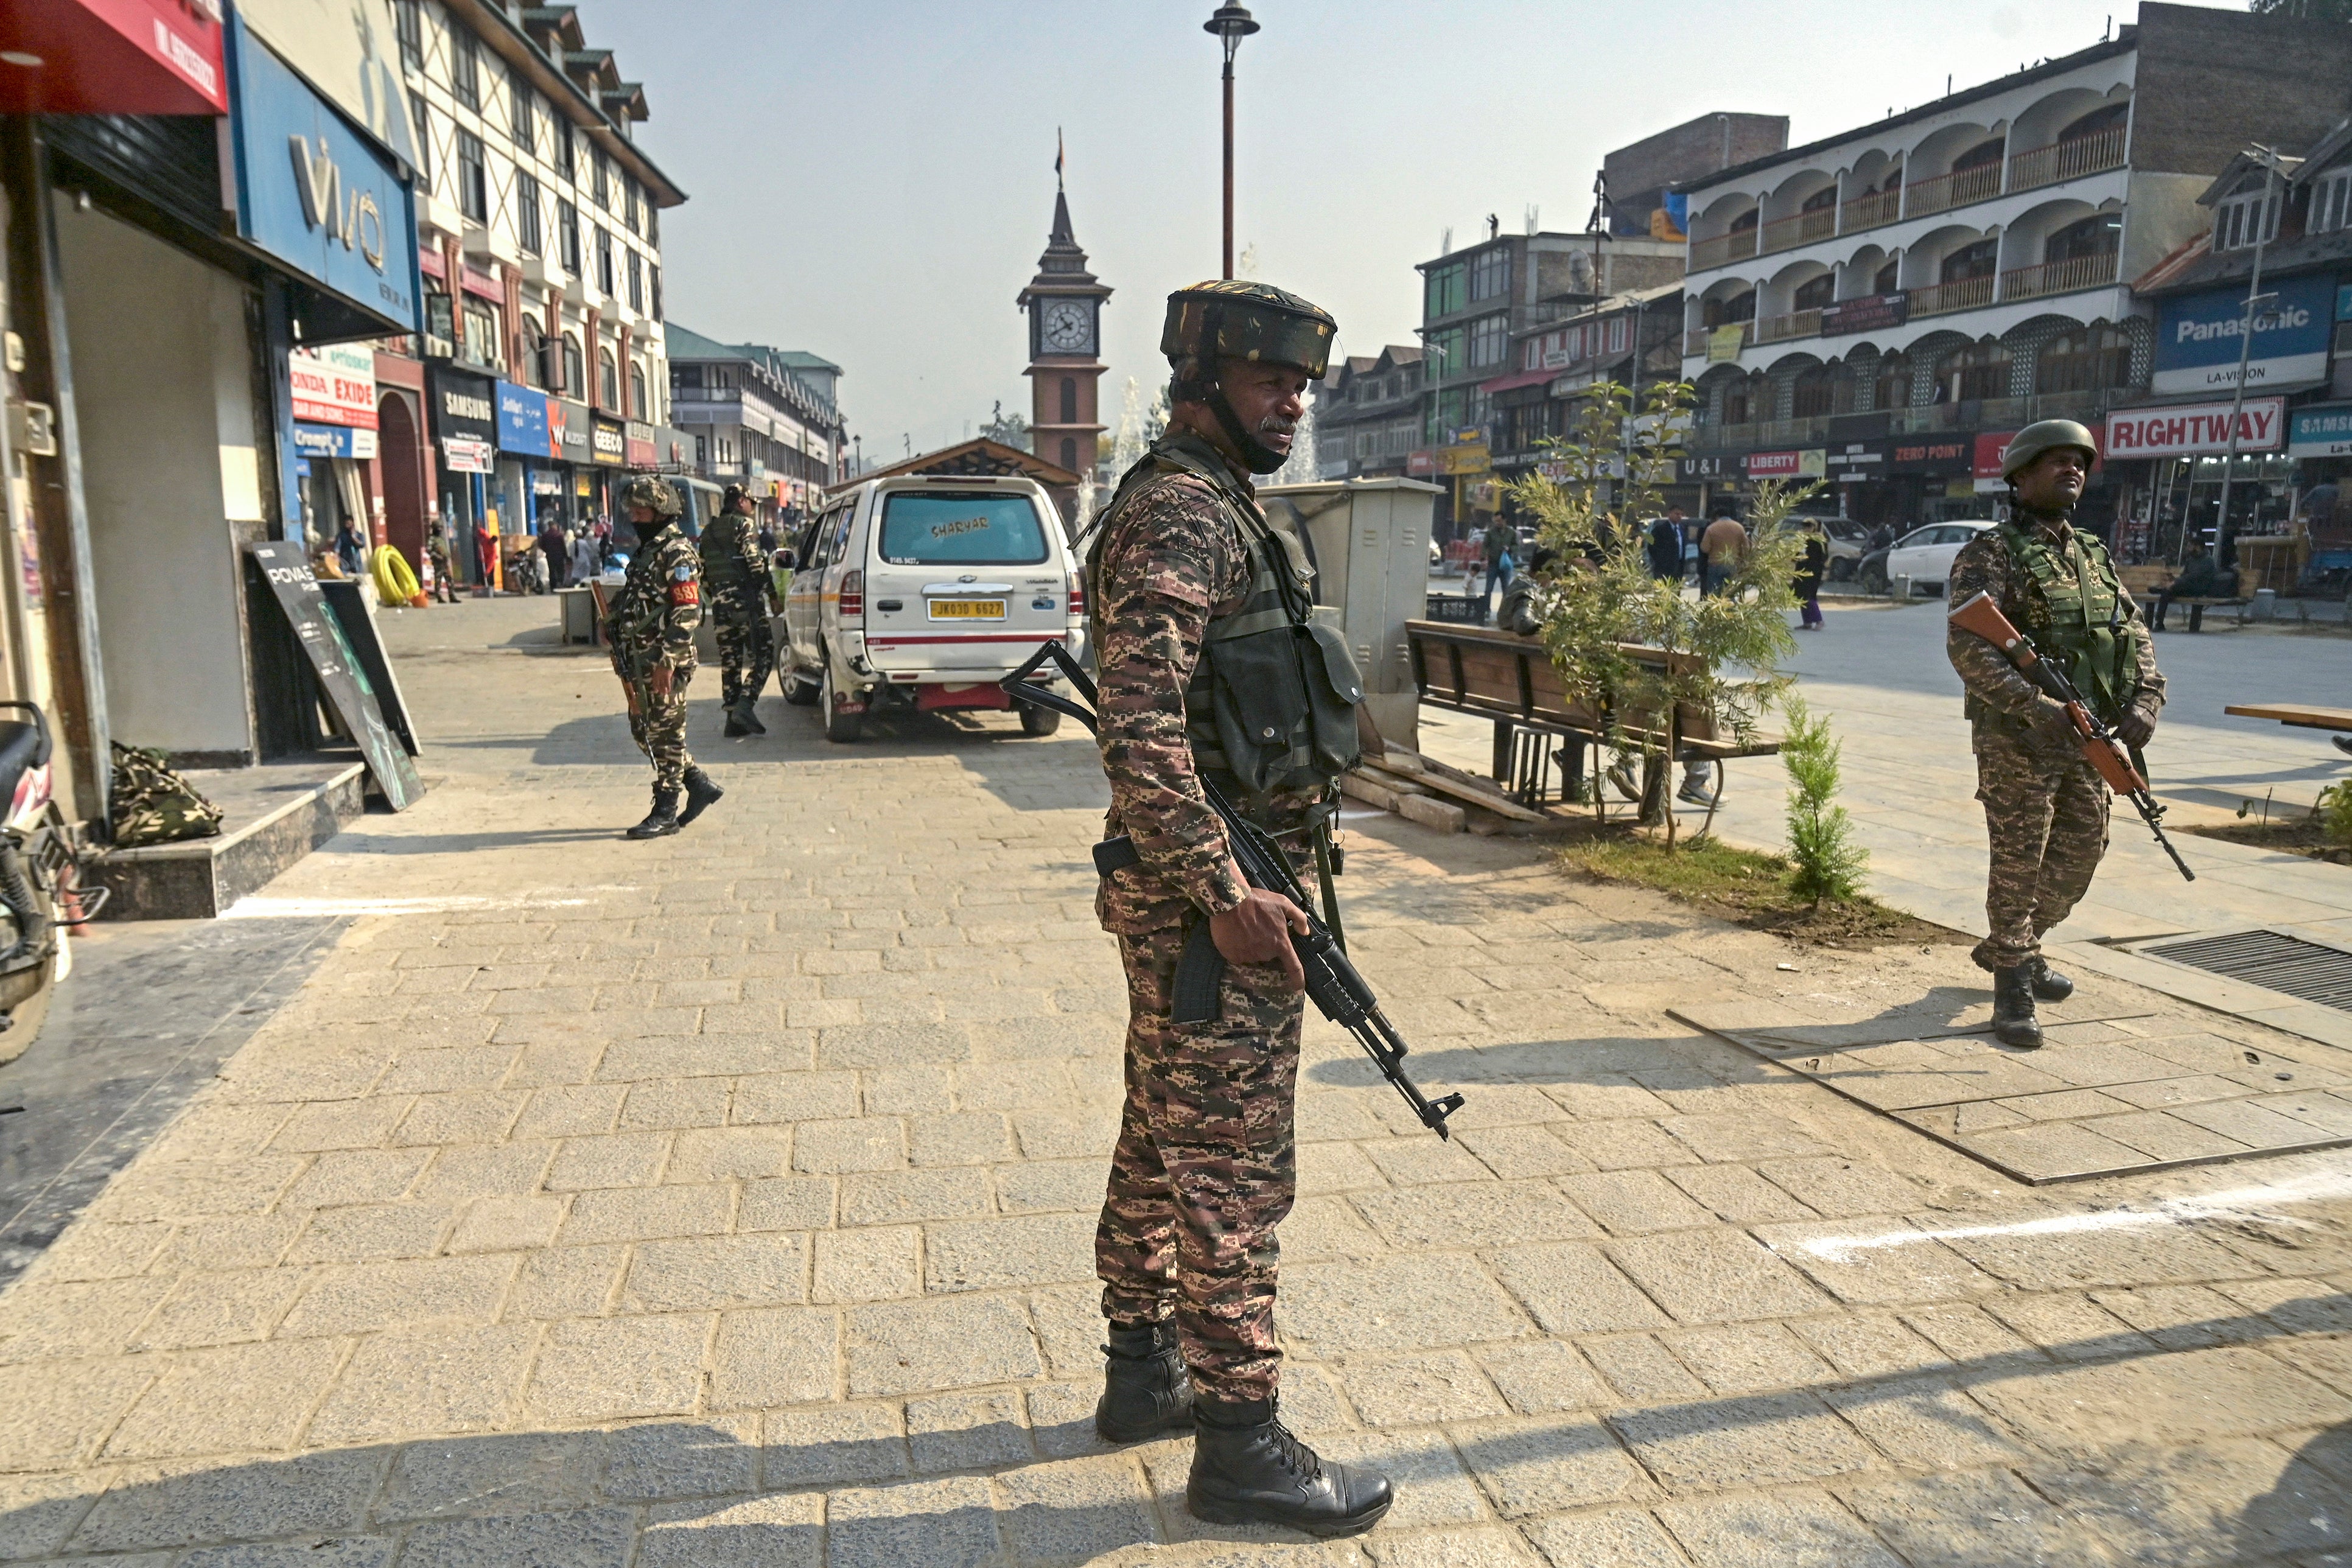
column 1727, row 301
column 2068, row 135
column 1952, row 268
column 1957, row 166
column 2060, row 246
column 1724, row 232
column 1873, row 192
column 1866, row 272
column 1802, row 210
column 1790, row 305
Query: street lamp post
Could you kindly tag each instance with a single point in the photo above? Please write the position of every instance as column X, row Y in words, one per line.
column 2224, row 536
column 1232, row 24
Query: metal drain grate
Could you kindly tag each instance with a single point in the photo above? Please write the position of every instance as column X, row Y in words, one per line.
column 2270, row 959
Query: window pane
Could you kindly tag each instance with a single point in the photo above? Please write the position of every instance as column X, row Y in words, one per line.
column 980, row 530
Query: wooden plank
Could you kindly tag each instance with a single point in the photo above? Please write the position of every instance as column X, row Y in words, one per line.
column 2300, row 715
column 1459, row 785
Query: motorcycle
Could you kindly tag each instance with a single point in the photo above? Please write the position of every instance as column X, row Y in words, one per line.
column 41, row 895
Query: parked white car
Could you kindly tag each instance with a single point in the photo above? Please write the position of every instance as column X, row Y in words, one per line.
column 921, row 593
column 1925, row 554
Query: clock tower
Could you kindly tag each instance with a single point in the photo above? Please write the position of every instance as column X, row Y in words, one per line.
column 1064, row 306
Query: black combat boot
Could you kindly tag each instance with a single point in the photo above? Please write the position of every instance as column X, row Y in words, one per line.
column 735, row 725
column 702, row 794
column 748, row 716
column 1247, row 1469
column 1146, row 1389
column 2048, row 986
column 2014, row 1022
column 662, row 820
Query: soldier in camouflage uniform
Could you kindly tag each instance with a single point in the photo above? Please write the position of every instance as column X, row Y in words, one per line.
column 649, row 626
column 735, row 578
column 2045, row 805
column 1203, row 1169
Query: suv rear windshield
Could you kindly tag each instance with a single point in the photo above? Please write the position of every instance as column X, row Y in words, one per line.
column 919, row 529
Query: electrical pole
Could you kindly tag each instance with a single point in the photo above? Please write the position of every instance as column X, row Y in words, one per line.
column 1231, row 24
column 2224, row 536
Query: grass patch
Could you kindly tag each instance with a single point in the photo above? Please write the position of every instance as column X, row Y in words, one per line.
column 1744, row 887
column 2304, row 836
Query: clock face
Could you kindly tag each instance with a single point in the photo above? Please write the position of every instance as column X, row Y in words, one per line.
column 1067, row 327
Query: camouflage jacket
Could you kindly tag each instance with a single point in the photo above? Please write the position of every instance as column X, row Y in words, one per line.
column 651, row 619
column 732, row 562
column 1996, row 690
column 1170, row 560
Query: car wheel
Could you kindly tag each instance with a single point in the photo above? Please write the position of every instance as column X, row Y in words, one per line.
column 798, row 690
column 838, row 725
column 1874, row 578
column 1840, row 571
column 1036, row 721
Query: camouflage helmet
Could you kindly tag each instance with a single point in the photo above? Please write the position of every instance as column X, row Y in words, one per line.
column 733, row 494
column 2047, row 436
column 1233, row 318
column 654, row 494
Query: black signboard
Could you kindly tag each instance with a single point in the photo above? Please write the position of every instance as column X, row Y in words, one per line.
column 349, row 605
column 1932, row 455
column 1870, row 313
column 340, row 673
column 1689, row 469
column 462, row 406
column 1850, row 460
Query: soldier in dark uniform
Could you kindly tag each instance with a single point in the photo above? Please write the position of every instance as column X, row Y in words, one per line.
column 2045, row 805
column 735, row 576
column 650, row 629
column 1190, row 585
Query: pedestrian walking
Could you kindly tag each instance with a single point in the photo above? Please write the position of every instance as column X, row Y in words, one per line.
column 1500, row 538
column 1666, row 546
column 586, row 561
column 2045, row 805
column 650, row 629
column 1195, row 597
column 735, row 575
column 486, row 556
column 1722, row 548
column 552, row 545
column 1812, row 569
column 351, row 550
column 437, row 555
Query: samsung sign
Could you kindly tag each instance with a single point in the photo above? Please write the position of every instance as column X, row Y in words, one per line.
column 2198, row 339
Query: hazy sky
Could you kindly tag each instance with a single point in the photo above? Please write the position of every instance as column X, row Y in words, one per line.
column 874, row 181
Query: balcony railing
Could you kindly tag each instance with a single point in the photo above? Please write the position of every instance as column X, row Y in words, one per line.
column 1736, row 245
column 1942, row 298
column 1785, row 233
column 1695, row 340
column 1796, row 324
column 2092, row 154
column 1946, row 192
column 1869, row 212
column 2057, row 277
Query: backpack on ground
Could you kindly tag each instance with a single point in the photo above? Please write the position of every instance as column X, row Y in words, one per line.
column 151, row 804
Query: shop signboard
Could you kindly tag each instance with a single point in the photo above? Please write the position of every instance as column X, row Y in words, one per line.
column 639, row 439
column 568, row 436
column 1420, row 463
column 333, row 441
column 334, row 385
column 317, row 195
column 522, row 420
column 112, row 57
column 609, row 442
column 1688, row 471
column 1984, row 461
column 2324, row 431
column 1464, row 460
column 1870, row 313
column 1933, row 455
column 2189, row 429
column 342, row 673
column 1854, row 461
column 2197, row 338
column 468, row 455
column 1810, row 464
column 1724, row 342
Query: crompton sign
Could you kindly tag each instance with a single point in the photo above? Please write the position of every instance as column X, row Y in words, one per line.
column 2195, row 427
column 2197, row 339
column 317, row 195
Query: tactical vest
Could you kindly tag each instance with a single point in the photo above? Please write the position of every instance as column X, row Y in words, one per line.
column 2074, row 614
column 721, row 546
column 1273, row 696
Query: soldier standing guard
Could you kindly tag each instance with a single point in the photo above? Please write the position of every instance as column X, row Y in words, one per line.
column 2045, row 805
column 650, row 628
column 1199, row 609
column 735, row 575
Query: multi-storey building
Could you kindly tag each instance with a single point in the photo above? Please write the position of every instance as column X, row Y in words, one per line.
column 761, row 418
column 1367, row 416
column 1880, row 307
column 1632, row 339
column 540, row 236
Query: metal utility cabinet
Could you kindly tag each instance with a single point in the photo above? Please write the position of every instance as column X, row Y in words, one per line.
column 1369, row 539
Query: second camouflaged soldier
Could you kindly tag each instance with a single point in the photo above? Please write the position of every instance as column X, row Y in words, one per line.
column 2045, row 805
column 1199, row 606
column 649, row 626
column 735, row 581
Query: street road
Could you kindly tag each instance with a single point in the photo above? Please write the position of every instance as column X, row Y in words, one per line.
column 727, row 1200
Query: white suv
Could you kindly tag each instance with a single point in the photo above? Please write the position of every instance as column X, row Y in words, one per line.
column 921, row 593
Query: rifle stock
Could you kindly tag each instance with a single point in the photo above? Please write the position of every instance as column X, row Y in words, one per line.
column 2102, row 749
column 1333, row 985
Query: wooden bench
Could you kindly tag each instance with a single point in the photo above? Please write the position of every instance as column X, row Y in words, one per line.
column 2197, row 608
column 1511, row 680
column 2296, row 715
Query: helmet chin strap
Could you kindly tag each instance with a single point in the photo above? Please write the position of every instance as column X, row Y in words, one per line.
column 1256, row 455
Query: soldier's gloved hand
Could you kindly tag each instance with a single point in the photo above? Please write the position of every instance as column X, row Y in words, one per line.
column 2051, row 726
column 2135, row 730
column 1257, row 930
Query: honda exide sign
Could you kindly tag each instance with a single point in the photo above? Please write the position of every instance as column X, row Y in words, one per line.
column 2189, row 429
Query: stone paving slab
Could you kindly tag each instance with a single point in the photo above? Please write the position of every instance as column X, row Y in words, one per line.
column 2113, row 1092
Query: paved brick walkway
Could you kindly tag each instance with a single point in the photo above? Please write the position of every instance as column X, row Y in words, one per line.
column 727, row 1201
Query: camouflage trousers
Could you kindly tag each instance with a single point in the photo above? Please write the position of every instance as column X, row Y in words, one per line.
column 2047, row 818
column 746, row 652
column 1204, row 1168
column 657, row 724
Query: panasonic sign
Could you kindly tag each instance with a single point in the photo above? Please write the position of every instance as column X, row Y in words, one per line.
column 2199, row 338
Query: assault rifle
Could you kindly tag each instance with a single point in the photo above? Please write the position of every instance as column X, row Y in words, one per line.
column 1333, row 983
column 1980, row 615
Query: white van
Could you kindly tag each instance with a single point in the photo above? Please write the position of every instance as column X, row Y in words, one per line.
column 921, row 593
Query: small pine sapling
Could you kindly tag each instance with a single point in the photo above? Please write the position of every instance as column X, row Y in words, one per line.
column 1827, row 862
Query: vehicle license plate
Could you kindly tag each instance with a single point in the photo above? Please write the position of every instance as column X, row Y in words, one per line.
column 967, row 609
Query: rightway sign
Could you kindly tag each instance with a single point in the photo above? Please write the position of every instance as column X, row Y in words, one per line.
column 2198, row 339
column 2197, row 427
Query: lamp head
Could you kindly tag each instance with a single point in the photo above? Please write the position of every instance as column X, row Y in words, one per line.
column 1231, row 23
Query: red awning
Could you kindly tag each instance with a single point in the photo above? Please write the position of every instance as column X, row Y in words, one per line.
column 1516, row 380
column 110, row 57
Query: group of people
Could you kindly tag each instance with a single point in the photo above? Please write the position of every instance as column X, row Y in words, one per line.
column 1677, row 550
